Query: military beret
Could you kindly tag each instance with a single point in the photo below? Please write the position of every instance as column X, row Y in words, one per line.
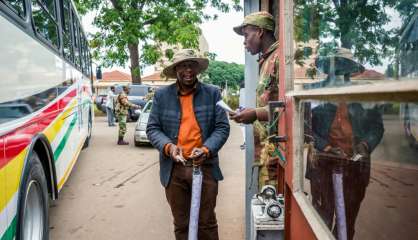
column 259, row 19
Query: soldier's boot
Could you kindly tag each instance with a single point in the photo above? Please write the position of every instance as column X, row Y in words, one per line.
column 122, row 142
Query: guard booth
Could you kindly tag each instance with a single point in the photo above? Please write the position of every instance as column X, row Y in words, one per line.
column 349, row 81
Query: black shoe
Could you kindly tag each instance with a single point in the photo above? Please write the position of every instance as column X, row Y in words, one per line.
column 121, row 142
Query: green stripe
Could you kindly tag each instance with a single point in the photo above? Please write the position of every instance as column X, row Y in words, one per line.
column 64, row 140
column 11, row 231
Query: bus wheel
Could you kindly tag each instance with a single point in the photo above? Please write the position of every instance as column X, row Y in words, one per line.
column 33, row 202
column 87, row 141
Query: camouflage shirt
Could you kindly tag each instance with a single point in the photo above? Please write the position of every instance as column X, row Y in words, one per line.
column 267, row 90
column 122, row 104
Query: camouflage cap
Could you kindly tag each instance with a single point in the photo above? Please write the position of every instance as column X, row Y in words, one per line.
column 259, row 19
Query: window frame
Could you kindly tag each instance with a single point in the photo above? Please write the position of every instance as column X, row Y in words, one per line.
column 54, row 20
column 382, row 91
column 65, row 34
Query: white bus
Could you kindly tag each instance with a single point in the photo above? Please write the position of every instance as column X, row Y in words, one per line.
column 45, row 109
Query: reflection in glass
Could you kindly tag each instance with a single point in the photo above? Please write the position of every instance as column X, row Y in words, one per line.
column 44, row 23
column 68, row 51
column 381, row 36
column 16, row 109
column 18, row 6
column 361, row 167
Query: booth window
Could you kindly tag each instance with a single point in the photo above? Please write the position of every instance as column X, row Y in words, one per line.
column 355, row 84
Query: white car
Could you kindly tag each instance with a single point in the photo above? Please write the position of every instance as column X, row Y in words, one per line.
column 409, row 114
column 140, row 135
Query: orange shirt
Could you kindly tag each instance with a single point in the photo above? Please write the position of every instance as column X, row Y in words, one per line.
column 189, row 135
column 189, row 132
column 341, row 132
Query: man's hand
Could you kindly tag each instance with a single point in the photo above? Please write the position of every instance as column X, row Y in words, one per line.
column 335, row 150
column 245, row 116
column 176, row 153
column 198, row 156
column 362, row 149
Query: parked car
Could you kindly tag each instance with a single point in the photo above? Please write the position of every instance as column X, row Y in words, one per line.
column 140, row 135
column 409, row 113
column 100, row 102
column 136, row 95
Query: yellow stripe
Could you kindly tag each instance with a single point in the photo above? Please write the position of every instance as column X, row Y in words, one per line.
column 12, row 173
column 72, row 163
column 52, row 131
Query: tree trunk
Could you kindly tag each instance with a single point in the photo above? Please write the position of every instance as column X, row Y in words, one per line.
column 134, row 57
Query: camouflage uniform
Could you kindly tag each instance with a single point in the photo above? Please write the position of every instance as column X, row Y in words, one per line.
column 267, row 90
column 121, row 110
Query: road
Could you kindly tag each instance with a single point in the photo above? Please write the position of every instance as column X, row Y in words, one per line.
column 114, row 192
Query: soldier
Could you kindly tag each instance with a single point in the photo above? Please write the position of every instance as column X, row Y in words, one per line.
column 121, row 109
column 258, row 31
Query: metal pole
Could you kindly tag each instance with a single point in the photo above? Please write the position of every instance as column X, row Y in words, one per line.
column 251, row 79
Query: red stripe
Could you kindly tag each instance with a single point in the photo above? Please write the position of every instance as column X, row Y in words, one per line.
column 17, row 140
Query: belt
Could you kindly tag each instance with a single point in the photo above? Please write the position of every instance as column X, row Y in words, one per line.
column 189, row 163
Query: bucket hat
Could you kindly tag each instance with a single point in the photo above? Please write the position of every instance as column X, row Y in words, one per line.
column 259, row 19
column 343, row 63
column 182, row 56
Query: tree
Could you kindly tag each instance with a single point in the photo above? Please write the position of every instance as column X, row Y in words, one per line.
column 125, row 24
column 360, row 25
column 222, row 73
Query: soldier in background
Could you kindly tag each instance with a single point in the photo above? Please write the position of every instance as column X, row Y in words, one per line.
column 258, row 31
column 121, row 110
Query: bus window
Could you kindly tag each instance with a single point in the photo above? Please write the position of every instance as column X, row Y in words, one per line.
column 17, row 6
column 44, row 20
column 76, row 35
column 68, row 51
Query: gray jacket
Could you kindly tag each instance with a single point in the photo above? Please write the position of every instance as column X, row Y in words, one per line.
column 164, row 123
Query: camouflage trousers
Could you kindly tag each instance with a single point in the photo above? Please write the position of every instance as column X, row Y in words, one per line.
column 268, row 167
column 267, row 176
column 122, row 124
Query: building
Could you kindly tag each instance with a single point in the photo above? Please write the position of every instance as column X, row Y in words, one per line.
column 109, row 79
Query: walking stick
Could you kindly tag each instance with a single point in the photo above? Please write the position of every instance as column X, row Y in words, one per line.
column 337, row 182
column 195, row 202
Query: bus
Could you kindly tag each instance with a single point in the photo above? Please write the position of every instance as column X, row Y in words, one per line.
column 46, row 109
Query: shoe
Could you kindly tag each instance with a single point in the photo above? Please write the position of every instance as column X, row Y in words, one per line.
column 121, row 142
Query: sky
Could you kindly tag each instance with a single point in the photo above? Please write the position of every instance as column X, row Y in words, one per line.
column 222, row 40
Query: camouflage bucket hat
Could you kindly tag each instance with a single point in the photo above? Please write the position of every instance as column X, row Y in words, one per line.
column 259, row 19
column 182, row 56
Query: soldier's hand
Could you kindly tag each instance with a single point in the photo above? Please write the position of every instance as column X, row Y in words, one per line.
column 245, row 116
column 198, row 156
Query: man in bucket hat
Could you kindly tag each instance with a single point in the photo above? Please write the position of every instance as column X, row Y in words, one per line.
column 258, row 31
column 188, row 129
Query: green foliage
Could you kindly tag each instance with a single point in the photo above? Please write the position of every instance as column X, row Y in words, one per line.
column 232, row 101
column 219, row 73
column 362, row 26
column 147, row 24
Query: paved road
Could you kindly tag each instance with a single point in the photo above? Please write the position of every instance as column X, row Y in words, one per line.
column 114, row 192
